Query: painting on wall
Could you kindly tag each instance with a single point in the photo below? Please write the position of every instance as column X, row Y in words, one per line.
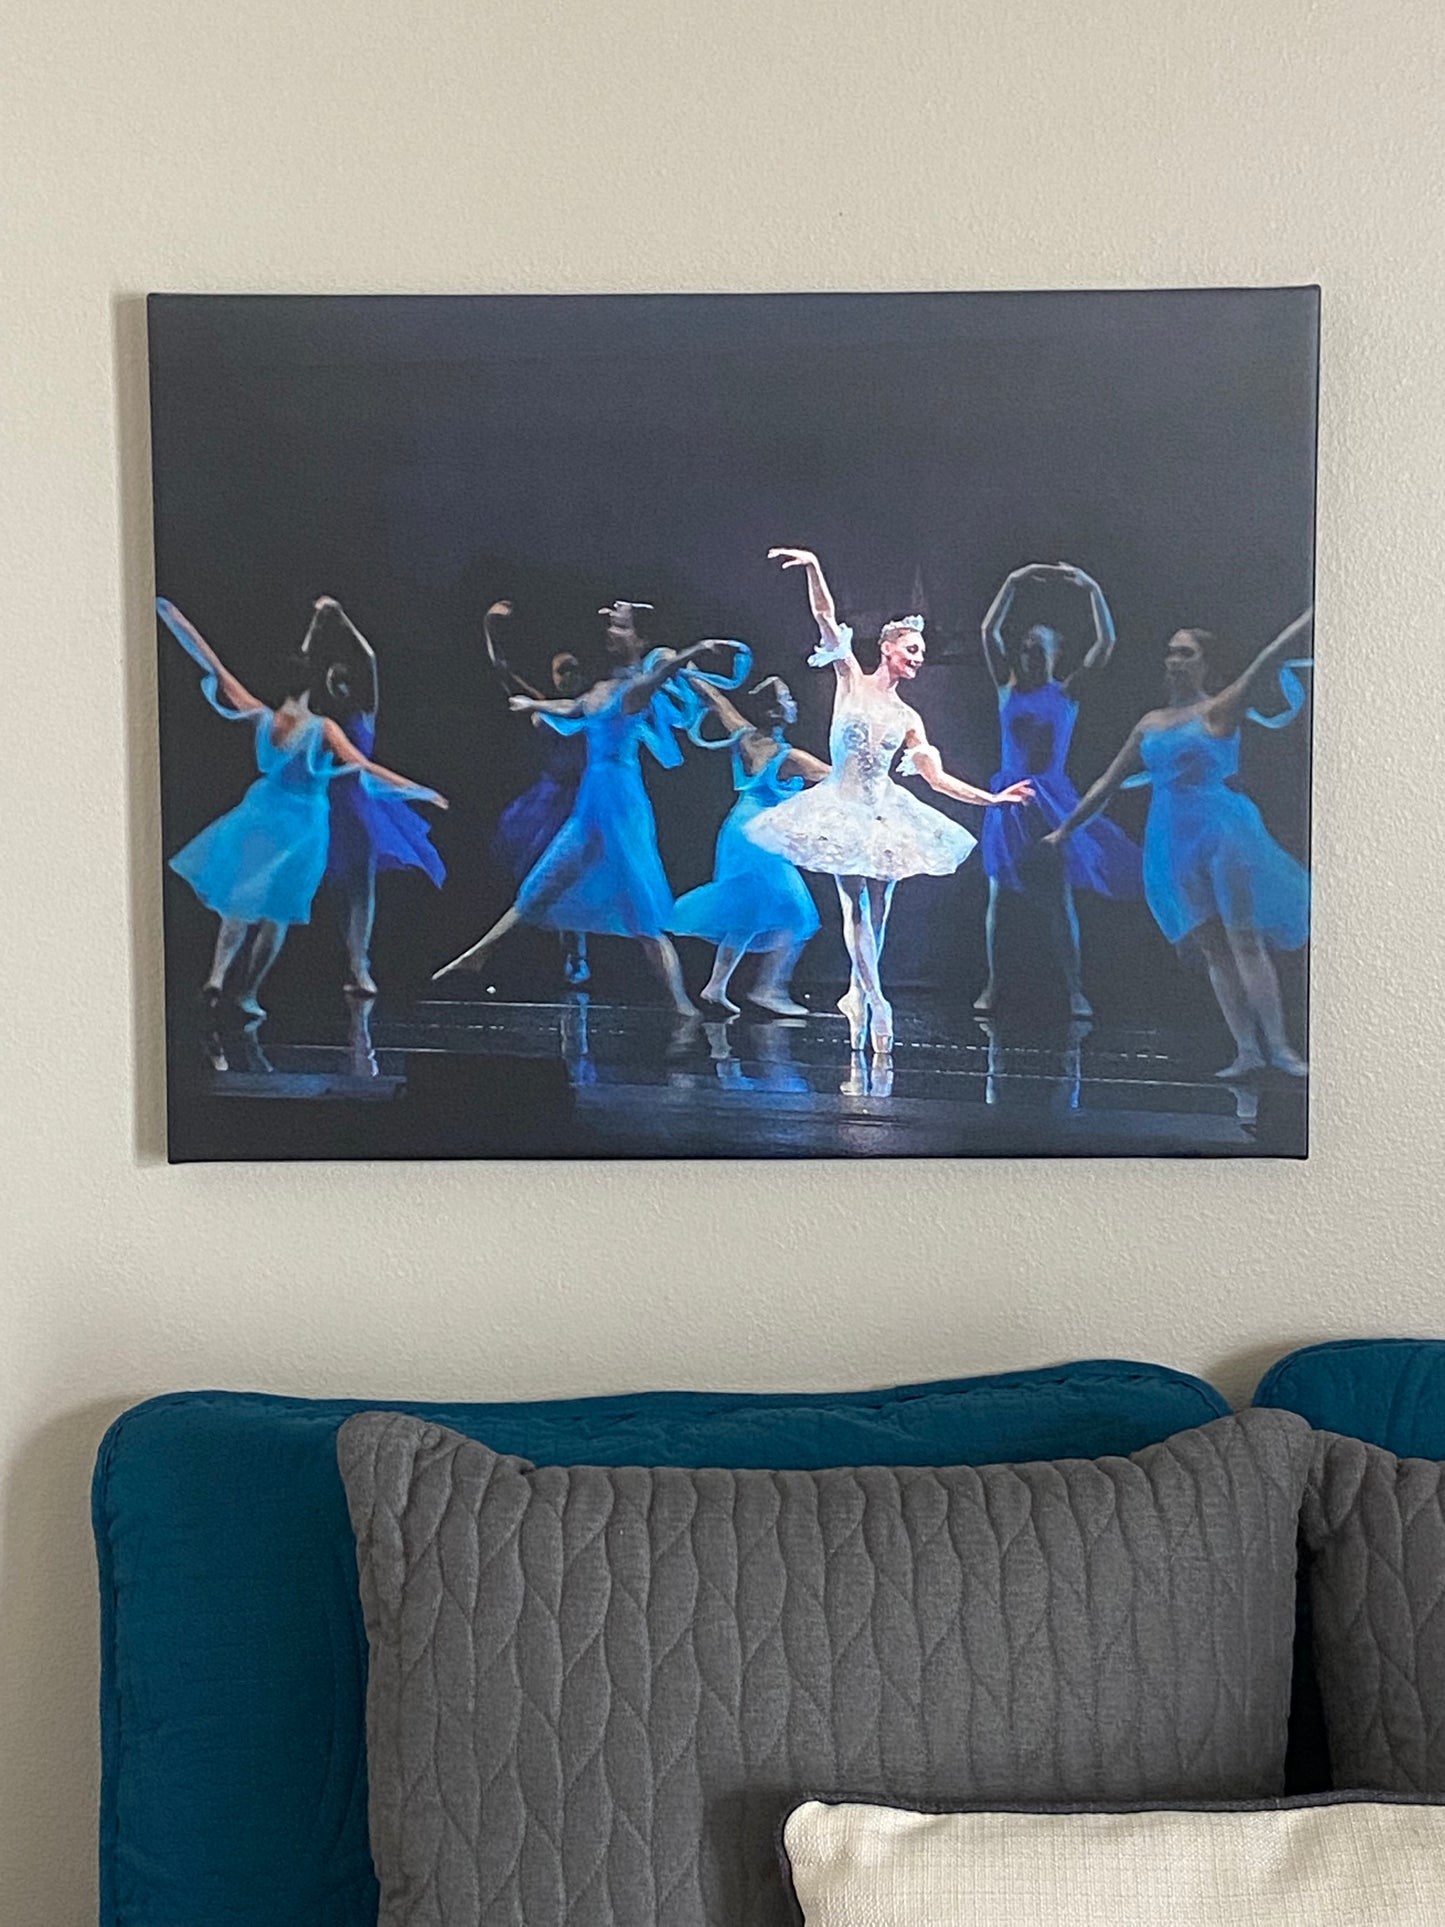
column 736, row 726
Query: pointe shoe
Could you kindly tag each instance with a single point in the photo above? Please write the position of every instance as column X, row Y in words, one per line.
column 986, row 1000
column 854, row 1007
column 1289, row 1062
column 880, row 1029
column 714, row 1000
column 251, row 1006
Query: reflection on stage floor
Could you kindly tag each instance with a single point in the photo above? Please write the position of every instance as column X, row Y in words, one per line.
column 581, row 1078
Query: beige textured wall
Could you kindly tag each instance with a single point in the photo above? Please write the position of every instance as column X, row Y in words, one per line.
column 506, row 144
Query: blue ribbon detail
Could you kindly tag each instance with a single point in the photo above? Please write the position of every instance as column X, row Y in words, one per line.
column 1293, row 691
column 210, row 686
column 678, row 706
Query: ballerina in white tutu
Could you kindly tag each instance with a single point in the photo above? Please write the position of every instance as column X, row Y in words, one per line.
column 858, row 825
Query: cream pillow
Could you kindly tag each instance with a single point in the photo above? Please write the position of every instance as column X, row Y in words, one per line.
column 1352, row 1863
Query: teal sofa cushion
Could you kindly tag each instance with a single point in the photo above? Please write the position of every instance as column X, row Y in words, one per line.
column 233, row 1651
column 1387, row 1391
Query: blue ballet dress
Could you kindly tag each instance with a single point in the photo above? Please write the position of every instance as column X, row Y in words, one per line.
column 1207, row 853
column 606, row 850
column 375, row 826
column 756, row 900
column 1037, row 727
column 264, row 860
column 528, row 824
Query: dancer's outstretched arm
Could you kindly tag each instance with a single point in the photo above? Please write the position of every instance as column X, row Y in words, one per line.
column 1225, row 712
column 922, row 759
column 345, row 751
column 1124, row 765
column 567, row 707
column 642, row 689
column 506, row 674
column 237, row 695
column 1105, row 635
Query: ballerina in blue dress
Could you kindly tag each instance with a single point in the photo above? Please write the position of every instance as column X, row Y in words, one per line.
column 260, row 865
column 1214, row 877
column 530, row 821
column 858, row 825
column 1037, row 710
column 602, row 872
column 756, row 901
column 371, row 830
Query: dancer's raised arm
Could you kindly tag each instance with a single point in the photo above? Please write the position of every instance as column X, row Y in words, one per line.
column 345, row 751
column 1126, row 764
column 506, row 674
column 920, row 758
column 995, row 649
column 837, row 638
column 1225, row 712
column 1105, row 634
column 355, row 682
column 237, row 695
column 794, row 762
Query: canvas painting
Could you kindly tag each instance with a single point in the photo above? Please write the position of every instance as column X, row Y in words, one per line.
column 736, row 726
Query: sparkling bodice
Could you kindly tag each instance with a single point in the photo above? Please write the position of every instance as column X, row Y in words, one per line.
column 866, row 735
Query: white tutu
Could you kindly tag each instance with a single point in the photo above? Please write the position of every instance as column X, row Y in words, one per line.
column 837, row 831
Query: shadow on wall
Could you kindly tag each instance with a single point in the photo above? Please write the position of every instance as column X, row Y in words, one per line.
column 49, row 1669
column 138, row 724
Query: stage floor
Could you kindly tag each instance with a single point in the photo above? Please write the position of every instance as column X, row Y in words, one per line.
column 452, row 1077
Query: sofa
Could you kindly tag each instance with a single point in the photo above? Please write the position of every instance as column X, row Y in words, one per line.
column 234, row 1651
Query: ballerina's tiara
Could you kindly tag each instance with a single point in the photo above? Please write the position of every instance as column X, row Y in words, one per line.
column 903, row 622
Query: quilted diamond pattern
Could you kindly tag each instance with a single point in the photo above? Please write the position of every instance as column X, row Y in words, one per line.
column 1374, row 1525
column 594, row 1692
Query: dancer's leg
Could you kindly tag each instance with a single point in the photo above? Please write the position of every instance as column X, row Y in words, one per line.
column 474, row 958
column 1233, row 1001
column 1065, row 922
column 663, row 958
column 1261, row 986
column 229, row 938
column 984, row 1002
column 854, row 1002
column 575, row 967
column 560, row 879
column 358, row 918
column 773, row 987
column 264, row 951
column 863, row 898
column 880, row 902
column 715, row 990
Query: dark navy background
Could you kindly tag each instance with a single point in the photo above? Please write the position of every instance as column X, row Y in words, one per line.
column 420, row 457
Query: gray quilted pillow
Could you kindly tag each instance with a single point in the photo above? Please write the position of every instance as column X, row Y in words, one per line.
column 594, row 1693
column 1375, row 1529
